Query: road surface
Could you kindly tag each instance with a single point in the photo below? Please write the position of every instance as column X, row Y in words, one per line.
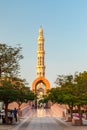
column 39, row 119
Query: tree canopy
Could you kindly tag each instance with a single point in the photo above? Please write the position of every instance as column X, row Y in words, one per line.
column 12, row 88
column 71, row 90
column 10, row 91
column 9, row 60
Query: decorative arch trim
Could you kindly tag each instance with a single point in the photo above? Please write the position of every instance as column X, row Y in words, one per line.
column 38, row 80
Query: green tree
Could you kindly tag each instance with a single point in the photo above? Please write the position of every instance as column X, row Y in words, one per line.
column 25, row 95
column 54, row 95
column 44, row 99
column 11, row 90
column 8, row 94
column 80, row 92
column 72, row 91
column 9, row 60
column 67, row 91
column 11, row 87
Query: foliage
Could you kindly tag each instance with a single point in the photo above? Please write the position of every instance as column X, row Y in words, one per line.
column 71, row 90
column 7, row 92
column 9, row 60
column 81, row 88
column 53, row 94
column 44, row 99
column 11, row 91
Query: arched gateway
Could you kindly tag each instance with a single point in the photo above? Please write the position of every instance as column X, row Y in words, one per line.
column 40, row 85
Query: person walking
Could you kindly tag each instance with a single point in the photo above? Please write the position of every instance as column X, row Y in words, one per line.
column 3, row 115
column 15, row 114
column 10, row 117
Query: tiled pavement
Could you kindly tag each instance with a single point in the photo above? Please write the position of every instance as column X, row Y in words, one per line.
column 41, row 120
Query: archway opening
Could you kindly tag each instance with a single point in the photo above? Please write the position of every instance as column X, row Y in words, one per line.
column 40, row 91
column 40, row 87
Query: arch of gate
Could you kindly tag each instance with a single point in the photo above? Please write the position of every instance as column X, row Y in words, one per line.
column 39, row 80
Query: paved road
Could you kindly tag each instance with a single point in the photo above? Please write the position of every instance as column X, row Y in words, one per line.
column 40, row 119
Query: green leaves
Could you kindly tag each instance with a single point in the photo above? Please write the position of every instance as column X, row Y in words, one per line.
column 70, row 90
column 15, row 90
column 9, row 60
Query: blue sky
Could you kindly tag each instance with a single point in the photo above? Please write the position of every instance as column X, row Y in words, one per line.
column 65, row 31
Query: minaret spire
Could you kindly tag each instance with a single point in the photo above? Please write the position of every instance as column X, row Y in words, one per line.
column 40, row 68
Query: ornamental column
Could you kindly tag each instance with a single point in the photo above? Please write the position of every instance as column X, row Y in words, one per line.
column 40, row 68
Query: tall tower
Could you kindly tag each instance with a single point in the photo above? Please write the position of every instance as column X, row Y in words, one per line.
column 40, row 68
column 40, row 85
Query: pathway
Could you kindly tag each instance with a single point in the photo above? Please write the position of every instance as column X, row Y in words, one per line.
column 41, row 119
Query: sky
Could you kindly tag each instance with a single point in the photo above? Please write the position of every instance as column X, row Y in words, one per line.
column 64, row 24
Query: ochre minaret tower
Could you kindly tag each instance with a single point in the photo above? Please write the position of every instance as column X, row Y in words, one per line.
column 40, row 68
column 40, row 85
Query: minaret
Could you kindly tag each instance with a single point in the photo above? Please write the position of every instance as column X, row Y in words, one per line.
column 40, row 68
column 40, row 85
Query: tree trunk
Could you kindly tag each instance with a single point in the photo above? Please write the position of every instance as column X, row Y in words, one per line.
column 71, row 111
column 0, row 71
column 6, row 113
column 80, row 114
column 86, row 114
